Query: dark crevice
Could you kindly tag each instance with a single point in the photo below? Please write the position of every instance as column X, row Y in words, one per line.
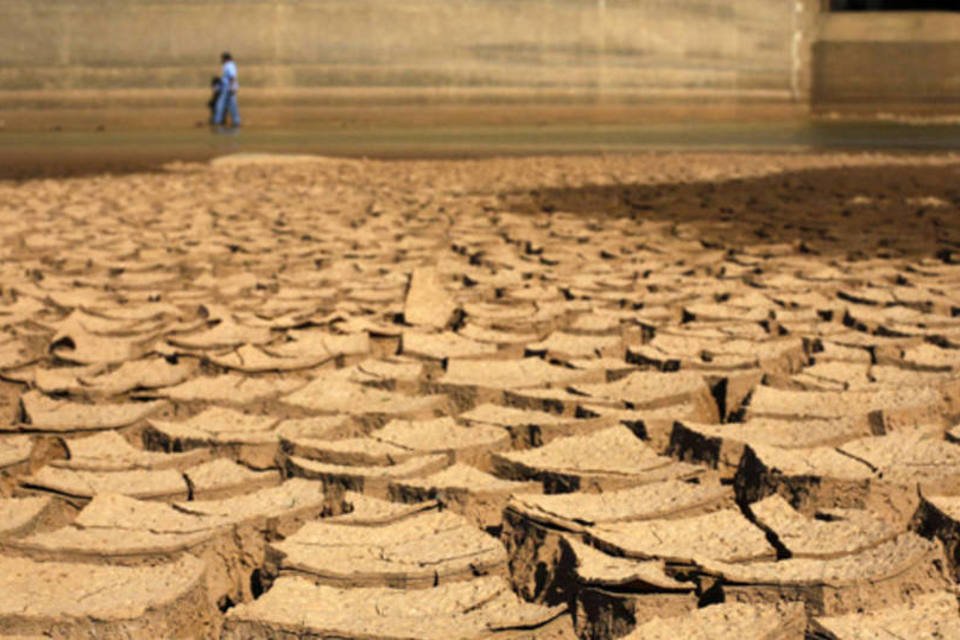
column 190, row 487
column 782, row 552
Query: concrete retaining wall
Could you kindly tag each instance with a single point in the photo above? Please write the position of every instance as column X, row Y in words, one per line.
column 581, row 49
column 889, row 61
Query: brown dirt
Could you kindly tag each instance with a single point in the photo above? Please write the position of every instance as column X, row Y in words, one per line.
column 540, row 397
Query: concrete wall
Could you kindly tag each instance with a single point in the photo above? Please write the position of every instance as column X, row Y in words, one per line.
column 574, row 48
column 888, row 61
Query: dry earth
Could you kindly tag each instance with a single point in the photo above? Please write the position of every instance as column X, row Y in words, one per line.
column 662, row 396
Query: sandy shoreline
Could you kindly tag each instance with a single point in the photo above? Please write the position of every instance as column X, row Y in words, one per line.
column 96, row 148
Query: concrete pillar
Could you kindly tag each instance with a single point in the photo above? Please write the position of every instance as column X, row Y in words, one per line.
column 806, row 26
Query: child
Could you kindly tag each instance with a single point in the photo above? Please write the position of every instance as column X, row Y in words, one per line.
column 216, row 85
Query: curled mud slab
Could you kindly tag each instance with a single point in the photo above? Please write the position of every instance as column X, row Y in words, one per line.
column 77, row 600
column 482, row 608
column 727, row 622
column 422, row 551
column 932, row 616
column 597, row 397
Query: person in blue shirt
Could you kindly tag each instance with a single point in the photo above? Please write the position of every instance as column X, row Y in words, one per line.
column 227, row 100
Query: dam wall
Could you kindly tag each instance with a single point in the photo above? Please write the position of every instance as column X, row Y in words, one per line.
column 486, row 50
column 887, row 62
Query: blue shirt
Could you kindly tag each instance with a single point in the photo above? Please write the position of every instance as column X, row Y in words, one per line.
column 230, row 80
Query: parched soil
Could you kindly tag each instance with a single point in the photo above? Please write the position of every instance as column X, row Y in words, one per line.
column 649, row 396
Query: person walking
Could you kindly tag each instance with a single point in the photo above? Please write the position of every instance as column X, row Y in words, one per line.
column 227, row 101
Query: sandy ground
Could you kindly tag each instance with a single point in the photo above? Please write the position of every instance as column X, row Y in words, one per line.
column 647, row 396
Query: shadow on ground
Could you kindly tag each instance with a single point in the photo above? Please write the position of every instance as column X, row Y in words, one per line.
column 855, row 213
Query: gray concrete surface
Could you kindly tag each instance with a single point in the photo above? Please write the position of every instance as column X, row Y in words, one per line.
column 579, row 48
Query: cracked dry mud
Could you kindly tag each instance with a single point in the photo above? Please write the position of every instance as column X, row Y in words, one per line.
column 663, row 396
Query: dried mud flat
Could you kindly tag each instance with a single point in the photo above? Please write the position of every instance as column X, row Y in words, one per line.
column 662, row 396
